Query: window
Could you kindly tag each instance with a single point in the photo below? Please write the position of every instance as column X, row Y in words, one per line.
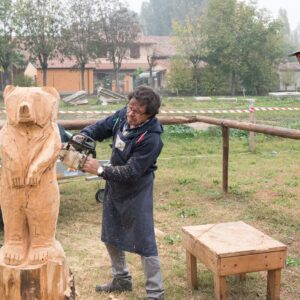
column 135, row 51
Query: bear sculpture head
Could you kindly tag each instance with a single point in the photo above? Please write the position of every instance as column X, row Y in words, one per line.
column 33, row 105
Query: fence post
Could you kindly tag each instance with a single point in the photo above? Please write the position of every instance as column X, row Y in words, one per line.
column 225, row 133
column 251, row 120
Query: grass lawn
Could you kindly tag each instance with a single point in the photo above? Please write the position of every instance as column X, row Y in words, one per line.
column 264, row 191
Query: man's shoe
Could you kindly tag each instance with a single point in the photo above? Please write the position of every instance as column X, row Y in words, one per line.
column 116, row 285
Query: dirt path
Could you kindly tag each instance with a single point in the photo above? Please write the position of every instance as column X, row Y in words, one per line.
column 200, row 125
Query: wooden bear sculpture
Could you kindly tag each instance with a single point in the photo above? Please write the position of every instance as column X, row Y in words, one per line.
column 29, row 146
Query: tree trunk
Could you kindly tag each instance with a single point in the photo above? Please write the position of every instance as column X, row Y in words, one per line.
column 151, row 76
column 6, row 77
column 50, row 281
column 44, row 69
column 117, row 80
column 195, row 75
column 82, row 76
column 233, row 83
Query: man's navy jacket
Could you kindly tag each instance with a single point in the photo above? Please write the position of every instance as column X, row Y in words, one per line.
column 127, row 221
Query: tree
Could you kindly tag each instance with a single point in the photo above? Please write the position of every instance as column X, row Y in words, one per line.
column 244, row 43
column 262, row 45
column 190, row 42
column 152, row 59
column 289, row 43
column 222, row 40
column 157, row 16
column 213, row 82
column 119, row 27
column 180, row 77
column 282, row 16
column 8, row 43
column 296, row 36
column 39, row 24
column 81, row 39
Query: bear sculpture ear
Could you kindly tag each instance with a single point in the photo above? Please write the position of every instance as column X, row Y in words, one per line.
column 52, row 91
column 8, row 89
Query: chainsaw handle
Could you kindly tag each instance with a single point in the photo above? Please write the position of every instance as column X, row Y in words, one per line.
column 94, row 154
column 84, row 141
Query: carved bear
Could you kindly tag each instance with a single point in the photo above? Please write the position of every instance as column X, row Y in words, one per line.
column 29, row 194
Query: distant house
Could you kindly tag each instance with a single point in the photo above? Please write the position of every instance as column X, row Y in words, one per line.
column 31, row 71
column 289, row 75
column 62, row 75
column 135, row 68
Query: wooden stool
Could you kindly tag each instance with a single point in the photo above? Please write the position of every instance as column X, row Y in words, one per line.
column 233, row 248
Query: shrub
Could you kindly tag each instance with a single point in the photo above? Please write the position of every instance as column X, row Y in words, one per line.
column 213, row 82
column 180, row 77
column 23, row 80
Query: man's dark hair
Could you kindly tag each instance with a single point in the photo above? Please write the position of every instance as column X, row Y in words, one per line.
column 146, row 96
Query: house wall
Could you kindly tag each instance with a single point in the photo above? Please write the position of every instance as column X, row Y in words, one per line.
column 291, row 77
column 68, row 81
column 145, row 50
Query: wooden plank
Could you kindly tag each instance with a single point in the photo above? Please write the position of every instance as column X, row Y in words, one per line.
column 220, row 287
column 200, row 251
column 232, row 239
column 191, row 264
column 251, row 263
column 225, row 134
column 273, row 286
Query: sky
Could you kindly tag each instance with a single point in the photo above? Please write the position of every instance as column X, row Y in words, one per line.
column 291, row 6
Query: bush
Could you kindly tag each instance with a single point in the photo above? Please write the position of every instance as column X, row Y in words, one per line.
column 180, row 77
column 23, row 80
column 213, row 82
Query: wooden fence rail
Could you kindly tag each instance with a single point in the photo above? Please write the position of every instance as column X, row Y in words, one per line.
column 224, row 123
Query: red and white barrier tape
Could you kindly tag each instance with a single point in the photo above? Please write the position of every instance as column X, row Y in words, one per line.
column 173, row 111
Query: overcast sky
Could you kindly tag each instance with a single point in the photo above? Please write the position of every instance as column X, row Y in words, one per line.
column 291, row 6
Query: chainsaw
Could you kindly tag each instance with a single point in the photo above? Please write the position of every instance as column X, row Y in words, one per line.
column 76, row 151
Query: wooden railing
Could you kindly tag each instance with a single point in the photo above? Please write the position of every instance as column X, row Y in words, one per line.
column 224, row 123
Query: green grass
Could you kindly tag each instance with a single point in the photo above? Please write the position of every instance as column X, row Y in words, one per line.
column 264, row 191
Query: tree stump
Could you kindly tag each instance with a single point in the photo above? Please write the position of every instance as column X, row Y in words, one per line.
column 52, row 280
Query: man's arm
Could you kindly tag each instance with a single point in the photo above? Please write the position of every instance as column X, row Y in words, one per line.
column 143, row 157
column 102, row 129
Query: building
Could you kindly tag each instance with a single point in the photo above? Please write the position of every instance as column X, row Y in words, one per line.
column 289, row 75
column 150, row 54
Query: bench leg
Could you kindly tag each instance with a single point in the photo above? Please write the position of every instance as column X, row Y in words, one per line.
column 191, row 264
column 243, row 277
column 220, row 287
column 273, row 289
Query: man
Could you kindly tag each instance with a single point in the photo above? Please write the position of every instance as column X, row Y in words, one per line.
column 297, row 54
column 127, row 222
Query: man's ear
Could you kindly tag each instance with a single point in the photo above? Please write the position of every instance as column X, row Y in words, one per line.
column 8, row 89
column 52, row 91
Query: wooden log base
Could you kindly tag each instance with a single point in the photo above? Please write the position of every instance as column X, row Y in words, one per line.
column 50, row 281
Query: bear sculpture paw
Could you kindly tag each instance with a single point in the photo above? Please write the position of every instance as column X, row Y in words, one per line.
column 13, row 254
column 38, row 255
column 17, row 182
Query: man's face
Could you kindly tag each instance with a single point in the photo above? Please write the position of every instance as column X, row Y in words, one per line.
column 136, row 113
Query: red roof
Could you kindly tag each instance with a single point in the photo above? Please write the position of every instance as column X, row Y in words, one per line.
column 164, row 45
column 67, row 63
column 124, row 66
